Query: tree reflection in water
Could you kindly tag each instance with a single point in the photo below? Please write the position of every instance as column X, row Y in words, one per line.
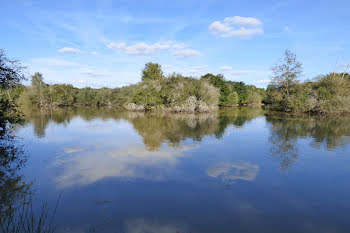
column 13, row 188
column 157, row 128
column 16, row 212
column 285, row 131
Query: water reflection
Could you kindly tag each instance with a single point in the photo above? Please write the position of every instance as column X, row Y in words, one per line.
column 128, row 162
column 12, row 186
column 172, row 129
column 14, row 189
column 232, row 172
column 150, row 172
column 331, row 132
column 155, row 128
column 144, row 225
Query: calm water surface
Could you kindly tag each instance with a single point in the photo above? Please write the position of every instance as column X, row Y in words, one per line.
column 239, row 170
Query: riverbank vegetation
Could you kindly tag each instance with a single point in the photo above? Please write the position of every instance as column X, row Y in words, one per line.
column 324, row 94
column 172, row 93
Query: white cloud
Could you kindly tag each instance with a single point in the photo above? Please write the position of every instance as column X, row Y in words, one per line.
column 200, row 67
column 140, row 48
column 143, row 48
column 225, row 68
column 263, row 81
column 179, row 45
column 94, row 53
column 243, row 21
column 237, row 26
column 69, row 50
column 187, row 53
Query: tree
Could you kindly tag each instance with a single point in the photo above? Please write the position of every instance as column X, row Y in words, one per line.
column 63, row 94
column 11, row 72
column 152, row 71
column 37, row 80
column 38, row 86
column 11, row 184
column 219, row 82
column 287, row 72
column 232, row 98
column 241, row 90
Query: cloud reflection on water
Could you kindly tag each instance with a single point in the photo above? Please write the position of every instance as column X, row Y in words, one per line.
column 231, row 172
column 134, row 161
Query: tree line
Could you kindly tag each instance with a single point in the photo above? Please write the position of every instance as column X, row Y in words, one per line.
column 174, row 92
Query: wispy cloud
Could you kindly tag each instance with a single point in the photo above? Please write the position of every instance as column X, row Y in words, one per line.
column 237, row 26
column 143, row 48
column 186, row 53
column 69, row 50
column 139, row 48
column 263, row 81
column 224, row 68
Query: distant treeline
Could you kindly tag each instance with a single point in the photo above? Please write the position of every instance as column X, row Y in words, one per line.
column 176, row 93
column 155, row 92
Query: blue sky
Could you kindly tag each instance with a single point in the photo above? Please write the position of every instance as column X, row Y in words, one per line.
column 106, row 43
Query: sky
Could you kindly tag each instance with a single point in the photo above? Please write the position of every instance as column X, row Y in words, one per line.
column 106, row 43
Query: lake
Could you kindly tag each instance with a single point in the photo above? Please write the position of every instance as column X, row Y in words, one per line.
column 237, row 170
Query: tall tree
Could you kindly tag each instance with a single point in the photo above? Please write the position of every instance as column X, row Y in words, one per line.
column 38, row 86
column 152, row 71
column 287, row 72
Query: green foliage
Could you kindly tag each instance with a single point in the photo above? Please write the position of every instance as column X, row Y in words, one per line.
column 220, row 82
column 148, row 93
column 326, row 94
column 232, row 93
column 86, row 97
column 287, row 73
column 254, row 95
column 62, row 94
column 11, row 72
column 152, row 71
column 241, row 90
column 176, row 93
column 232, row 98
column 173, row 93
